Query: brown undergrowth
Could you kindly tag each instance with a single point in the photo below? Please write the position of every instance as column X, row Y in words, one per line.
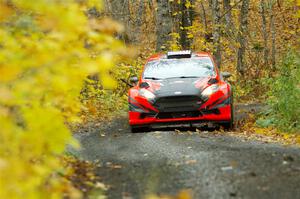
column 82, row 175
column 248, row 130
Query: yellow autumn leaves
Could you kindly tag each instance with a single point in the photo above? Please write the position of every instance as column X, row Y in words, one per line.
column 47, row 48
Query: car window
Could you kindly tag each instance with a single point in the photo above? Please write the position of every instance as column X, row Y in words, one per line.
column 171, row 68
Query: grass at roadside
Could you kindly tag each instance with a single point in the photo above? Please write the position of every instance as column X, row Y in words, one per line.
column 248, row 129
column 283, row 97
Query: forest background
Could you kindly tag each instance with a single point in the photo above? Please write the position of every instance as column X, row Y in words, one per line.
column 67, row 63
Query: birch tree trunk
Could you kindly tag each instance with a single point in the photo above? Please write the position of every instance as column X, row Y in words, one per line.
column 163, row 24
column 243, row 28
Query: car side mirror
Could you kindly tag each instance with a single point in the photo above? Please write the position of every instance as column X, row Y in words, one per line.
column 144, row 85
column 226, row 75
column 133, row 80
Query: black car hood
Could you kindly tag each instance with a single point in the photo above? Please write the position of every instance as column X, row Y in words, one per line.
column 179, row 87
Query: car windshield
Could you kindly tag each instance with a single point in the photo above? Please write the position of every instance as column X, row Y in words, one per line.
column 181, row 68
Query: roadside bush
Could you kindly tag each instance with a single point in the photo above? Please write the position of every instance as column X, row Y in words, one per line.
column 99, row 104
column 284, row 96
column 47, row 49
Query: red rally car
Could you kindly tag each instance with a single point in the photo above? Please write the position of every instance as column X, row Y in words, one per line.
column 180, row 89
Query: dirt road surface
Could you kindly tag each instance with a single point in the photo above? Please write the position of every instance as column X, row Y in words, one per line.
column 209, row 165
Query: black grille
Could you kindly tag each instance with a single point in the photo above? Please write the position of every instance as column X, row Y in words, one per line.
column 168, row 115
column 145, row 115
column 178, row 103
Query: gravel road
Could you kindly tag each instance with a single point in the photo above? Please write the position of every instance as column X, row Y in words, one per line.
column 210, row 165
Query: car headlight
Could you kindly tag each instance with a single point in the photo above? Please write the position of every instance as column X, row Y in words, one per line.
column 147, row 94
column 210, row 90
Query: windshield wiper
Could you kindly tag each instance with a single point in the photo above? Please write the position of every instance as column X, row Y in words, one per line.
column 189, row 77
column 153, row 78
column 183, row 77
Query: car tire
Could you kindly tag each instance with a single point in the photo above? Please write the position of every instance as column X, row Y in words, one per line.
column 229, row 125
column 135, row 129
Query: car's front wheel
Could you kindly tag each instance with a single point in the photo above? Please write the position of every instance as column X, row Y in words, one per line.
column 229, row 125
column 135, row 129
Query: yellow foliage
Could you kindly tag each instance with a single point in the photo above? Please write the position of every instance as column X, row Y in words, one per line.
column 188, row 4
column 183, row 194
column 173, row 43
column 47, row 49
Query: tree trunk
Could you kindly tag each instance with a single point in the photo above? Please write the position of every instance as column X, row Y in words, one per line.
column 120, row 11
column 273, row 33
column 228, row 17
column 163, row 24
column 150, row 4
column 216, row 16
column 185, row 22
column 243, row 28
column 264, row 31
column 140, row 18
column 203, row 15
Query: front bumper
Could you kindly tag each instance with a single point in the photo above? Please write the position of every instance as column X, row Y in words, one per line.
column 223, row 114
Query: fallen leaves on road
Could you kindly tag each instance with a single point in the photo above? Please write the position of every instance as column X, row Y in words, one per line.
column 190, row 161
column 267, row 135
column 116, row 166
column 113, row 166
column 227, row 168
column 101, row 186
column 82, row 175
column 183, row 194
column 247, row 130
